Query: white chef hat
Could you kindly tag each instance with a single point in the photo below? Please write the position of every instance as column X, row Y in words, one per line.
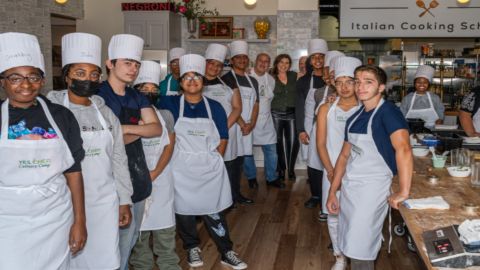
column 331, row 55
column 333, row 62
column 345, row 66
column 317, row 45
column 125, row 46
column 18, row 50
column 238, row 47
column 176, row 53
column 425, row 71
column 81, row 48
column 216, row 51
column 192, row 63
column 149, row 73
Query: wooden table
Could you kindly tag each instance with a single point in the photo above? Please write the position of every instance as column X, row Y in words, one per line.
column 456, row 191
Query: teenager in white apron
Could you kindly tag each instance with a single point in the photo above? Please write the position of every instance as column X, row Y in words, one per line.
column 264, row 133
column 36, row 168
column 106, row 178
column 426, row 109
column 159, row 216
column 365, row 187
column 237, row 78
column 330, row 134
column 200, row 179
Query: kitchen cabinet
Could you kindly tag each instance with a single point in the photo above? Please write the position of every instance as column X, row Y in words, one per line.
column 161, row 30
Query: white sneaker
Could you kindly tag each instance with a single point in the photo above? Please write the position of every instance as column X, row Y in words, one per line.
column 231, row 259
column 340, row 264
column 193, row 257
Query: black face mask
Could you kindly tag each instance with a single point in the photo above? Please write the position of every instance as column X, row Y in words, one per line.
column 84, row 88
column 152, row 97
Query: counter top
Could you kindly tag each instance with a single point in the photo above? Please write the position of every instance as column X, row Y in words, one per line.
column 456, row 191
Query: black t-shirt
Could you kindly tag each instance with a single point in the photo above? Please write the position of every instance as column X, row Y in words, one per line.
column 212, row 82
column 33, row 122
column 242, row 81
column 303, row 86
column 471, row 102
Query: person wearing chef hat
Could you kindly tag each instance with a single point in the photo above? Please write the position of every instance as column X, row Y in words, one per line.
column 42, row 218
column 311, row 91
column 138, row 120
column 216, row 89
column 170, row 85
column 248, row 86
column 330, row 132
column 422, row 103
column 376, row 147
column 105, row 173
column 199, row 175
column 159, row 217
column 264, row 133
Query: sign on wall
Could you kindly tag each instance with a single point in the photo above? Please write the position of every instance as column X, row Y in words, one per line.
column 147, row 6
column 409, row 18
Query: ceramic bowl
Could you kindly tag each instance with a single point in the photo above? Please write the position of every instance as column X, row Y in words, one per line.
column 439, row 162
column 457, row 171
column 420, row 152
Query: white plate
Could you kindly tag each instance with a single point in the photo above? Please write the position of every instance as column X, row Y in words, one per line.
column 472, row 140
column 446, row 127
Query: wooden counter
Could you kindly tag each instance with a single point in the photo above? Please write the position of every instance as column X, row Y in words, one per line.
column 456, row 191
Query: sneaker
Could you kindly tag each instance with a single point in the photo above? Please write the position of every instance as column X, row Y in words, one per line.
column 322, row 216
column 340, row 264
column 276, row 183
column 312, row 203
column 230, row 259
column 252, row 183
column 243, row 200
column 194, row 259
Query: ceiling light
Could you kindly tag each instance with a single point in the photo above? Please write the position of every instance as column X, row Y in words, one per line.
column 250, row 2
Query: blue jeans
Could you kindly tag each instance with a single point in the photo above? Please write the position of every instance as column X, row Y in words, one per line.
column 129, row 235
column 270, row 163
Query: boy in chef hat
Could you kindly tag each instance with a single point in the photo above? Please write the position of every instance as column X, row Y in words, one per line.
column 422, row 103
column 170, row 85
column 131, row 107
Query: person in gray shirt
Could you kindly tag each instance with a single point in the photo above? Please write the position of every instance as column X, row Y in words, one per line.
column 421, row 103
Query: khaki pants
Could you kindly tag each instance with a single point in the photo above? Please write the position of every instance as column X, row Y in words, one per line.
column 163, row 247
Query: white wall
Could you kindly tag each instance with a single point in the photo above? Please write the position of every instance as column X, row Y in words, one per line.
column 297, row 4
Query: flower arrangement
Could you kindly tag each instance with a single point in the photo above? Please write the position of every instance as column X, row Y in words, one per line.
column 193, row 9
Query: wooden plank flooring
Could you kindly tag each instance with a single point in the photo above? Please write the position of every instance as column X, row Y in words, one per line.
column 279, row 233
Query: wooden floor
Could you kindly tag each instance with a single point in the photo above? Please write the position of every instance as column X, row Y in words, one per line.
column 279, row 233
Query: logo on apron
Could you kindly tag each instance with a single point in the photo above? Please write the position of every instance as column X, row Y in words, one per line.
column 93, row 152
column 262, row 90
column 34, row 163
column 197, row 133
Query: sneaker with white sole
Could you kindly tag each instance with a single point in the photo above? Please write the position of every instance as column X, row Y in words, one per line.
column 193, row 257
column 340, row 263
column 230, row 259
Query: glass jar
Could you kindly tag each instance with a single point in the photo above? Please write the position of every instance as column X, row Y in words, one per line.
column 431, row 50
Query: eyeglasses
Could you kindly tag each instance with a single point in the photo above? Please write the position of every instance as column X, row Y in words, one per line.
column 82, row 75
column 349, row 83
column 191, row 78
column 17, row 79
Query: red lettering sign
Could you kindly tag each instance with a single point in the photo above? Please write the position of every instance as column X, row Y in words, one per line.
column 147, row 6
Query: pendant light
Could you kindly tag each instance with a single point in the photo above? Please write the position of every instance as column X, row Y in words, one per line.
column 61, row 2
column 250, row 2
column 463, row 1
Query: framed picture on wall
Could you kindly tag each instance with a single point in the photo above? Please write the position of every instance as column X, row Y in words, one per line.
column 216, row 27
column 238, row 33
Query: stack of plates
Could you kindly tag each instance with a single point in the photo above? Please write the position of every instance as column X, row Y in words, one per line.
column 471, row 140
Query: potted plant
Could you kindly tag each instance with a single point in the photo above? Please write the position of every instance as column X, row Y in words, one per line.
column 193, row 10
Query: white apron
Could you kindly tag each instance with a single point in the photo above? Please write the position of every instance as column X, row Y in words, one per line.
column 429, row 115
column 264, row 132
column 309, row 114
column 199, row 175
column 159, row 213
column 223, row 94
column 245, row 143
column 363, row 197
column 36, row 210
column 170, row 93
column 313, row 159
column 336, row 120
column 101, row 200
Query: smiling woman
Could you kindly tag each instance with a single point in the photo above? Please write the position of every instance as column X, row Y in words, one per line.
column 46, row 137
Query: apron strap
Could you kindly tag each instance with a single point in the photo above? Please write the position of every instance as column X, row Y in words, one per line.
column 182, row 106
column 411, row 103
column 225, row 85
column 4, row 134
column 168, row 85
column 369, row 127
column 50, row 118
column 431, row 104
column 207, row 106
column 101, row 119
column 246, row 76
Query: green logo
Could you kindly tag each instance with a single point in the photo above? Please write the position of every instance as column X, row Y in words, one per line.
column 34, row 163
column 93, row 152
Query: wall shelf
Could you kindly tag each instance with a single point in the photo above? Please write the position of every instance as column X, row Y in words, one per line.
column 226, row 40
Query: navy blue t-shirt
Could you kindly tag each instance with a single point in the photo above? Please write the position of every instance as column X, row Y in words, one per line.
column 132, row 99
column 386, row 121
column 219, row 116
